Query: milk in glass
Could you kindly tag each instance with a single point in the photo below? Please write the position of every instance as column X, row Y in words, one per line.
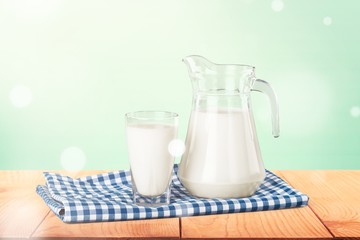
column 150, row 161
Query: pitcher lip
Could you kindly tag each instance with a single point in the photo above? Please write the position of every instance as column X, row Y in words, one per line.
column 219, row 64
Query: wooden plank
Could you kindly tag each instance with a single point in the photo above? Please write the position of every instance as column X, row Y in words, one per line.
column 334, row 197
column 21, row 211
column 32, row 178
column 24, row 214
column 53, row 227
column 21, row 178
column 283, row 224
column 280, row 224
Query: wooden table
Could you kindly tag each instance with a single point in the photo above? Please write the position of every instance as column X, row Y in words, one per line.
column 333, row 212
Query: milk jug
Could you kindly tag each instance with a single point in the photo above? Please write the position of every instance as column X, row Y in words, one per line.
column 222, row 157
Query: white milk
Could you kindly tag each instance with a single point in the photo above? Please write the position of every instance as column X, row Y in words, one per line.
column 222, row 158
column 150, row 161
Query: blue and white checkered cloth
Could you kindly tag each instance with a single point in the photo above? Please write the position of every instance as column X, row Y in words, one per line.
column 108, row 197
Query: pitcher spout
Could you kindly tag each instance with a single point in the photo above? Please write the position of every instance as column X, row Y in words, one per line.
column 207, row 76
column 197, row 64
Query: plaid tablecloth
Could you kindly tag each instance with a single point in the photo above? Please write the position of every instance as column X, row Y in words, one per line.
column 108, row 197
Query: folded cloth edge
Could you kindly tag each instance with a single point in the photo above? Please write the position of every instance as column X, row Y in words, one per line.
column 58, row 204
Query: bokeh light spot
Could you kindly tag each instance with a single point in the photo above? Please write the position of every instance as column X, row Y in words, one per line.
column 327, row 21
column 73, row 159
column 20, row 96
column 176, row 147
column 355, row 111
column 277, row 5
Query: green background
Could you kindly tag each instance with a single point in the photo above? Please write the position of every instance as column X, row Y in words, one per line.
column 70, row 70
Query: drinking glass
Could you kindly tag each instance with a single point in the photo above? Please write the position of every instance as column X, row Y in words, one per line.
column 149, row 134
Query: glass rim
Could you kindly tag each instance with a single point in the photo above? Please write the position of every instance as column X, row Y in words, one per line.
column 156, row 115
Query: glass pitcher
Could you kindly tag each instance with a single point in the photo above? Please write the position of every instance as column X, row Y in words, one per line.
column 222, row 157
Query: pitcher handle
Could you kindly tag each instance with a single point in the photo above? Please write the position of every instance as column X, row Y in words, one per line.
column 265, row 87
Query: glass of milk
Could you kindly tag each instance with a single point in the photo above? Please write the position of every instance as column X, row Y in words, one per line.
column 149, row 134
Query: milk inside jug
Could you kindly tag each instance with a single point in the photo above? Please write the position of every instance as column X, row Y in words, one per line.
column 222, row 157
